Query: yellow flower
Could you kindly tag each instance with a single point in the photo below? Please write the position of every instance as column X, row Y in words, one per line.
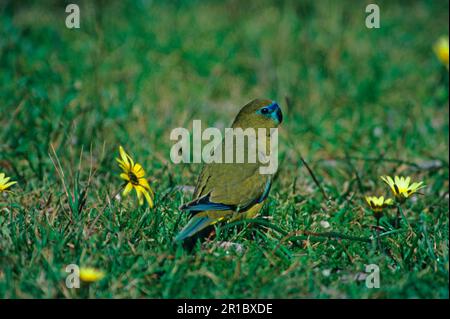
column 89, row 274
column 378, row 203
column 4, row 183
column 134, row 175
column 441, row 50
column 401, row 187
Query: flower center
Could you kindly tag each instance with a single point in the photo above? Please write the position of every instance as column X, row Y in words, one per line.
column 133, row 178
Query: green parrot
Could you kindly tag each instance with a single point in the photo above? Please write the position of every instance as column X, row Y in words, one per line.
column 230, row 191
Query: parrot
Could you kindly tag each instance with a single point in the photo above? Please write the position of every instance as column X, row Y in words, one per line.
column 232, row 191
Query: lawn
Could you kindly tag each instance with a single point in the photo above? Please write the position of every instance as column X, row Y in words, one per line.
column 358, row 103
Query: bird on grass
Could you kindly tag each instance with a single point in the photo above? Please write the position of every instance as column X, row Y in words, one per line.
column 232, row 191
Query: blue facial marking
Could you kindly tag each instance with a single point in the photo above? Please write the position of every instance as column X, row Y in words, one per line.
column 272, row 111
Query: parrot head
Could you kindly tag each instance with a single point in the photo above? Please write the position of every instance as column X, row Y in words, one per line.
column 259, row 113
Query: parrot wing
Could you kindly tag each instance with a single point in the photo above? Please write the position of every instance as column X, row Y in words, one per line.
column 229, row 187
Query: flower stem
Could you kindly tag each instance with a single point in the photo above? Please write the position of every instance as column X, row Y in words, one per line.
column 397, row 218
column 400, row 212
column 378, row 234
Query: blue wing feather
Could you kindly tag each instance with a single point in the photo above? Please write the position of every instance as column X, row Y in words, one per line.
column 266, row 190
column 205, row 204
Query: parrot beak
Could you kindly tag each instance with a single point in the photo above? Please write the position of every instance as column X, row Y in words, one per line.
column 279, row 115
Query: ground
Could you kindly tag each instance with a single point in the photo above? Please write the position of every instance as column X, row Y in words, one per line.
column 358, row 103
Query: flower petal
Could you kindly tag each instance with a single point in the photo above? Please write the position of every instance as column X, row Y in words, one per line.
column 138, row 170
column 124, row 156
column 127, row 189
column 139, row 195
column 124, row 166
column 89, row 275
column 5, row 186
column 416, row 186
column 149, row 199
column 147, row 186
column 407, row 181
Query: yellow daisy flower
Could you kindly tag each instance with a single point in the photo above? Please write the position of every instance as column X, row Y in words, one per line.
column 5, row 183
column 89, row 274
column 134, row 175
column 441, row 50
column 401, row 187
column 378, row 203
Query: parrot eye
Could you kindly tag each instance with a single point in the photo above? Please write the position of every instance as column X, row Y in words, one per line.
column 264, row 110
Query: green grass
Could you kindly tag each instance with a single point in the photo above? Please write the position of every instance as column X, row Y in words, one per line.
column 363, row 103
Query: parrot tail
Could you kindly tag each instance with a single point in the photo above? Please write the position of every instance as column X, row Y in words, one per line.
column 196, row 224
